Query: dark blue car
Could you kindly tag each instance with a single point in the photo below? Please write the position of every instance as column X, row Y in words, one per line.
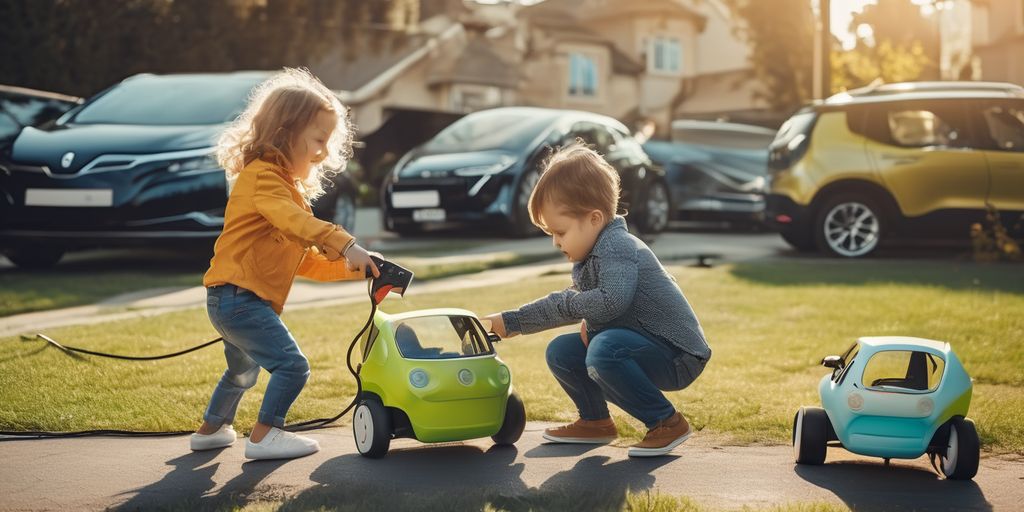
column 133, row 165
column 482, row 169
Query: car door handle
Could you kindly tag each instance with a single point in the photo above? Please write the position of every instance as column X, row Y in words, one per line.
column 900, row 159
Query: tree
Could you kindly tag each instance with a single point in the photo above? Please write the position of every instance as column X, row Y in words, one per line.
column 781, row 38
column 898, row 47
column 82, row 46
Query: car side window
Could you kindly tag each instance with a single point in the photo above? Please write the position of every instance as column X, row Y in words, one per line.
column 847, row 360
column 1003, row 128
column 594, row 135
column 902, row 370
column 942, row 125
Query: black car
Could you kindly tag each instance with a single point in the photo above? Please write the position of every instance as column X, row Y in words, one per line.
column 482, row 169
column 133, row 165
column 21, row 107
column 715, row 171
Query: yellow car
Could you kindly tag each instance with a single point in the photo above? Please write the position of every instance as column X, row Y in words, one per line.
column 898, row 162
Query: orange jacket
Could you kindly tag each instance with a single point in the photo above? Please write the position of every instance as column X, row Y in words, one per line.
column 270, row 235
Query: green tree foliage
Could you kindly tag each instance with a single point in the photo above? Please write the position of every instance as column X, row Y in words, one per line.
column 82, row 46
column 781, row 37
column 902, row 46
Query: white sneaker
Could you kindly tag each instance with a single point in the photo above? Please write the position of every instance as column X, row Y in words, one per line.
column 279, row 444
column 224, row 436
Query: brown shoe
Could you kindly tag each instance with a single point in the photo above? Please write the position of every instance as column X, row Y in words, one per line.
column 583, row 432
column 661, row 439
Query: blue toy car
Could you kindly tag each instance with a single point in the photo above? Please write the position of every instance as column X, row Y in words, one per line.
column 893, row 397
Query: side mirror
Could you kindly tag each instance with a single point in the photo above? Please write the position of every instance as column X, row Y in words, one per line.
column 493, row 338
column 832, row 362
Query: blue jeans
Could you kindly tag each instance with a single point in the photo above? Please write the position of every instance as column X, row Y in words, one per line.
column 623, row 367
column 254, row 337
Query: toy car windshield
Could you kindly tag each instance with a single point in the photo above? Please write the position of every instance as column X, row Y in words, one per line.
column 441, row 337
column 903, row 371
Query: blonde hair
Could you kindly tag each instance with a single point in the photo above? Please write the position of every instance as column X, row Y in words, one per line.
column 577, row 179
column 279, row 109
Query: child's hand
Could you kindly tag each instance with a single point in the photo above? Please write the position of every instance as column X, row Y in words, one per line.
column 358, row 258
column 497, row 324
column 583, row 334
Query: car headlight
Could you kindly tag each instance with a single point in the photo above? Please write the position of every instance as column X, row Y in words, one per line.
column 418, row 378
column 199, row 163
column 503, row 375
column 466, row 377
column 483, row 170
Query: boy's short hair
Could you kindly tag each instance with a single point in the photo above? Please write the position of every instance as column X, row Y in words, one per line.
column 577, row 179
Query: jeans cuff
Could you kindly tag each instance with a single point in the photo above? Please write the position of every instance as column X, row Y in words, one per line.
column 268, row 418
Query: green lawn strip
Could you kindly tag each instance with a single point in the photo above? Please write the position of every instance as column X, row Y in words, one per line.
column 767, row 337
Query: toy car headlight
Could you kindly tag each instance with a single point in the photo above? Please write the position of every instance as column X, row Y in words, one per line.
column 503, row 375
column 465, row 377
column 418, row 378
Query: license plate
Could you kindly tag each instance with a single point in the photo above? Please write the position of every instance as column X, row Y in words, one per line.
column 428, row 215
column 91, row 197
column 416, row 199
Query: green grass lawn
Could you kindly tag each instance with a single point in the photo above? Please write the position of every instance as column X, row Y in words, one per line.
column 769, row 324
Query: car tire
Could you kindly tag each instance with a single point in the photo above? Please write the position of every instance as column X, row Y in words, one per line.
column 810, row 435
column 963, row 449
column 371, row 427
column 520, row 225
column 514, row 424
column 657, row 209
column 802, row 242
column 849, row 226
column 35, row 258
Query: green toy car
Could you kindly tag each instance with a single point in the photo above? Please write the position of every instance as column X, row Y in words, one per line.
column 432, row 375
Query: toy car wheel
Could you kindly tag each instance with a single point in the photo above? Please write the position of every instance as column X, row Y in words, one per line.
column 371, row 426
column 514, row 424
column 810, row 435
column 960, row 462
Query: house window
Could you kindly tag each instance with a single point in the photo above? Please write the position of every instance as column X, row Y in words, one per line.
column 469, row 98
column 665, row 55
column 582, row 75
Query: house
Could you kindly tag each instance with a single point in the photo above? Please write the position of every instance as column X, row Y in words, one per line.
column 998, row 39
column 639, row 60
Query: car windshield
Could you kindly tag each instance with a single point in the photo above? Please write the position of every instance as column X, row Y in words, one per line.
column 489, row 130
column 441, row 337
column 171, row 100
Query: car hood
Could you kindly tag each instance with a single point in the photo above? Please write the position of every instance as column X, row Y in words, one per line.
column 731, row 166
column 48, row 147
column 422, row 165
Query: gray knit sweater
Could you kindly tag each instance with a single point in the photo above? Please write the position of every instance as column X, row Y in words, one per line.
column 621, row 283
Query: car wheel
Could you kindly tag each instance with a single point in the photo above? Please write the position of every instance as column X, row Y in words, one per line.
column 960, row 460
column 657, row 209
column 514, row 424
column 810, row 435
column 35, row 258
column 849, row 226
column 802, row 242
column 520, row 225
column 371, row 426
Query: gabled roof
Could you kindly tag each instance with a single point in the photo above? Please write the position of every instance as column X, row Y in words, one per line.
column 478, row 63
column 582, row 10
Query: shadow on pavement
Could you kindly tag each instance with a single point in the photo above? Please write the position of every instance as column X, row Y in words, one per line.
column 470, row 478
column 869, row 486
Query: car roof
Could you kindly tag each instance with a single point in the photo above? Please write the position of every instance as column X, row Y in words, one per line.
column 429, row 312
column 903, row 343
column 24, row 91
column 924, row 91
column 249, row 75
column 559, row 114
